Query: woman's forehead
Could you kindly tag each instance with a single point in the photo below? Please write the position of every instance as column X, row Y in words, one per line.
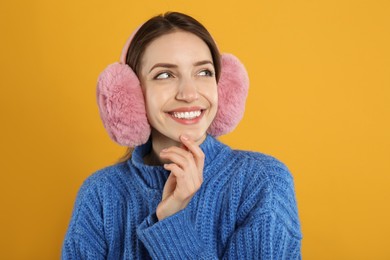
column 178, row 47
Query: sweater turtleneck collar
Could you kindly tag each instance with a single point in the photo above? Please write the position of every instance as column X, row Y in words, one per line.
column 155, row 176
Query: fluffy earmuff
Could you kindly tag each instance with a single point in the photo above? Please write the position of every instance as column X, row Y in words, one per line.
column 233, row 87
column 122, row 106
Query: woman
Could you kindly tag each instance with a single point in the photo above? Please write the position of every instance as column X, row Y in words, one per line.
column 182, row 194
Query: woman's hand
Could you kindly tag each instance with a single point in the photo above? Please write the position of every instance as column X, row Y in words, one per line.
column 186, row 177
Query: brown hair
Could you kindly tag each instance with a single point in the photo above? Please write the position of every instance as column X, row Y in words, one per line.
column 164, row 24
column 160, row 25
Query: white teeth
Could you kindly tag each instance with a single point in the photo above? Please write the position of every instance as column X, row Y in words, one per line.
column 187, row 115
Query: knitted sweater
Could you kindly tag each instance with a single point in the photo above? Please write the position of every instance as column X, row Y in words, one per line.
column 245, row 209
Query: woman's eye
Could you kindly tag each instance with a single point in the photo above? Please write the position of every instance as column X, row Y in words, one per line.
column 163, row 75
column 206, row 73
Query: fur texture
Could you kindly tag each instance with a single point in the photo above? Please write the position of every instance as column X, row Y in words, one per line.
column 121, row 105
column 232, row 93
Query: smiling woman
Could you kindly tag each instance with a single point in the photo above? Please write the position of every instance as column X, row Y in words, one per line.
column 178, row 82
column 182, row 194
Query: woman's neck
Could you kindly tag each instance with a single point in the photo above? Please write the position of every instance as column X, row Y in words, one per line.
column 153, row 158
column 159, row 143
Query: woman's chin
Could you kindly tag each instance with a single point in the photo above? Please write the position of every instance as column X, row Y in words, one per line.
column 174, row 138
column 196, row 137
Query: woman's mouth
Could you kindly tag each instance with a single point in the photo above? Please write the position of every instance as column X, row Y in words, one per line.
column 186, row 116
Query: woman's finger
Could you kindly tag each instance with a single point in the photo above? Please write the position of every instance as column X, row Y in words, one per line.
column 169, row 186
column 186, row 185
column 195, row 151
column 179, row 156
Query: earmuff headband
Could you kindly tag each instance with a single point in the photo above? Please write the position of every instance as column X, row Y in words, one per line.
column 122, row 106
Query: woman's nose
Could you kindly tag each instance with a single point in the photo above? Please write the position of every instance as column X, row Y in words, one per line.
column 187, row 91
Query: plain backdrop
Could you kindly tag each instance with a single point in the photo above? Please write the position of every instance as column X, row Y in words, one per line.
column 319, row 101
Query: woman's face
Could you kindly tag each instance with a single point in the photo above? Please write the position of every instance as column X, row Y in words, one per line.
column 179, row 85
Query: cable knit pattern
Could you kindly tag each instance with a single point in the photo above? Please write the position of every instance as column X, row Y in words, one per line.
column 245, row 209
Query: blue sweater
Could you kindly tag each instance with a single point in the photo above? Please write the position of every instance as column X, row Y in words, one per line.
column 245, row 209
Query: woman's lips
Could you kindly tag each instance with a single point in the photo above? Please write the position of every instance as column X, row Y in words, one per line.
column 187, row 115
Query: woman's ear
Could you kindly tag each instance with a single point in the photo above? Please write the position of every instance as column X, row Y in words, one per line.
column 233, row 88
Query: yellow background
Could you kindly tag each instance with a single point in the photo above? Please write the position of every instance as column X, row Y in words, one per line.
column 319, row 101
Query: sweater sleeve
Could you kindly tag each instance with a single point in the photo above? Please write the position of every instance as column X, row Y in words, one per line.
column 269, row 228
column 85, row 236
column 173, row 238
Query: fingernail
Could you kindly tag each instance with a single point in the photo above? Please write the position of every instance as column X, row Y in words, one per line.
column 184, row 137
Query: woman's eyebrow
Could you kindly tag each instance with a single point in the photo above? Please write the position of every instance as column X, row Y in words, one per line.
column 203, row 62
column 163, row 65
column 170, row 66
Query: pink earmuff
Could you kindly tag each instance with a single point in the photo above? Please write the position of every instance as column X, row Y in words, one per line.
column 122, row 106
